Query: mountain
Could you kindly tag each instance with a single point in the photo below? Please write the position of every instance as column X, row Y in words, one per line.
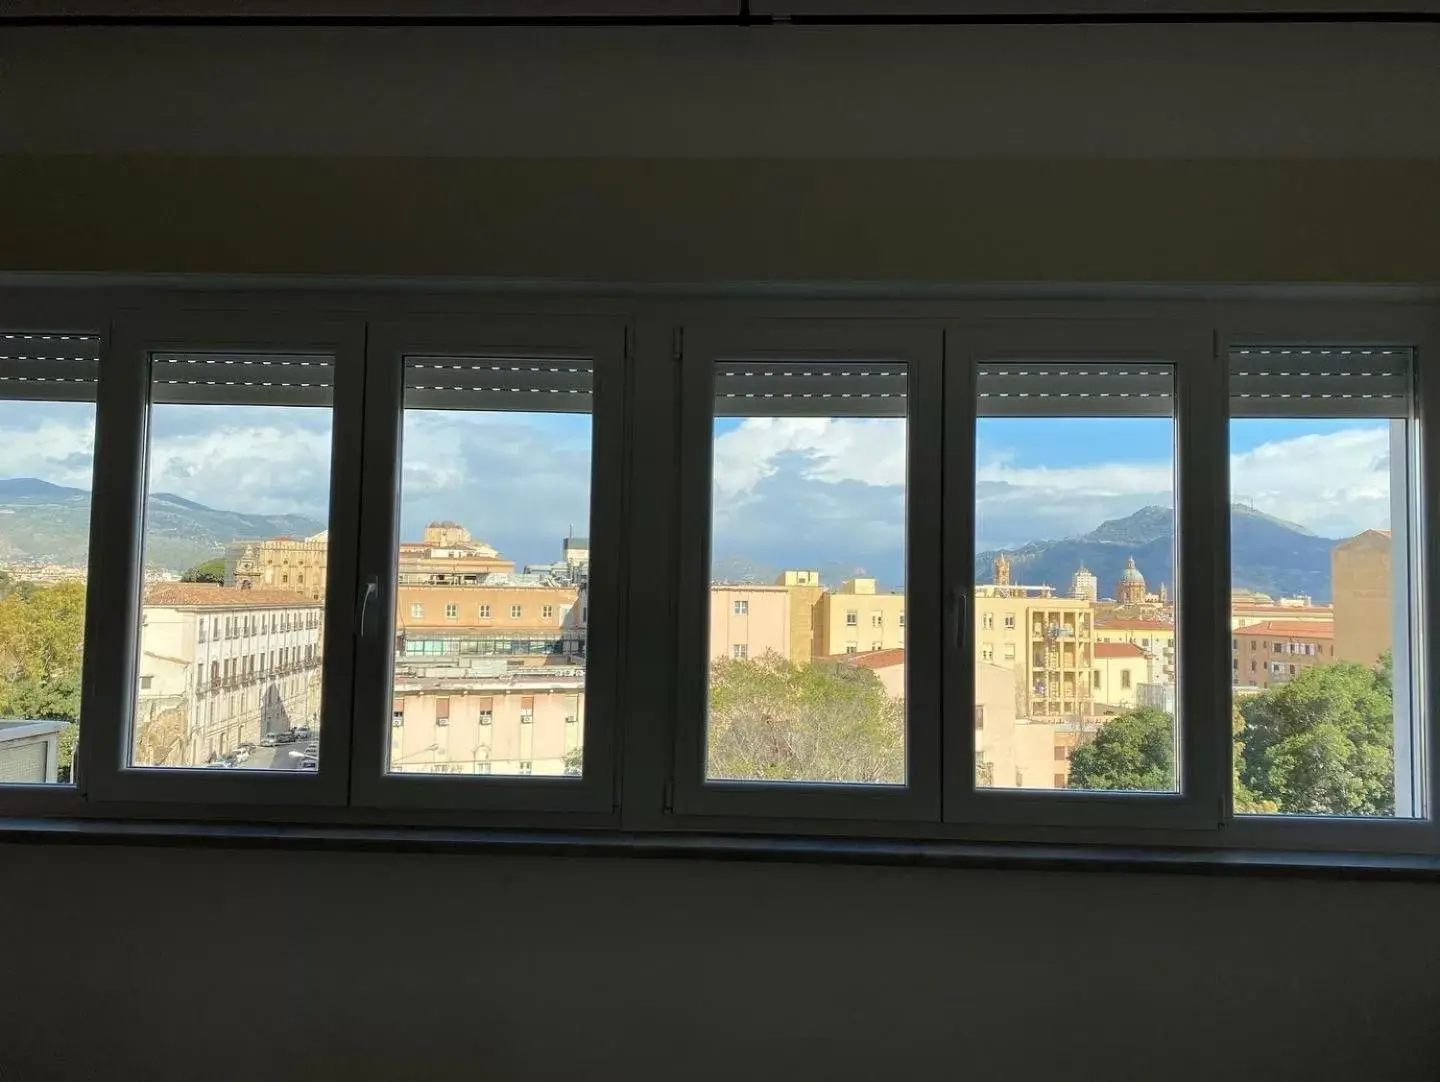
column 45, row 523
column 1266, row 554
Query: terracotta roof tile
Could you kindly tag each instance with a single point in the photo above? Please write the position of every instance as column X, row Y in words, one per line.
column 872, row 659
column 1117, row 649
column 1302, row 629
column 203, row 595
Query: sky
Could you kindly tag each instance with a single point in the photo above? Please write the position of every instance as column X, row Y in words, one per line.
column 787, row 492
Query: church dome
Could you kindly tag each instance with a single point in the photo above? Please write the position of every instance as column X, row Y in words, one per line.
column 1131, row 574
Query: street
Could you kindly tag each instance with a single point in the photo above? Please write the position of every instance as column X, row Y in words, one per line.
column 280, row 757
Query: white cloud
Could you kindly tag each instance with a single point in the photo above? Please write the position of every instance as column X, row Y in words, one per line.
column 1335, row 484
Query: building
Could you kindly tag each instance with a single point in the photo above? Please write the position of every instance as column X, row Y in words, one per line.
column 1251, row 609
column 220, row 666
column 281, row 563
column 887, row 665
column 1130, row 590
column 513, row 616
column 30, row 752
column 1274, row 652
column 1155, row 637
column 485, row 718
column 448, row 556
column 805, row 592
column 856, row 618
column 1084, row 586
column 575, row 551
column 748, row 620
column 1361, row 584
column 1013, row 752
column 1120, row 670
column 1044, row 640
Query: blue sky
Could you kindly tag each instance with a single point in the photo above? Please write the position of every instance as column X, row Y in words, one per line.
column 795, row 491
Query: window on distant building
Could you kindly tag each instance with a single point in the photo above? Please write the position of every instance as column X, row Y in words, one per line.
column 740, row 651
column 875, row 619
column 417, row 611
column 547, row 612
column 1009, row 651
column 442, row 710
column 1010, row 619
column 877, row 646
column 1124, row 679
column 515, row 612
column 741, row 607
column 484, row 612
column 852, row 618
column 852, row 647
column 987, row 621
column 452, row 611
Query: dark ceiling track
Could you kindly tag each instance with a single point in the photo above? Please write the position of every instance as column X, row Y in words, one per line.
column 743, row 16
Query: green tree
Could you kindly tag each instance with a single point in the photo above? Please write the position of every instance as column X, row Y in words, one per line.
column 1323, row 743
column 209, row 571
column 772, row 720
column 1135, row 750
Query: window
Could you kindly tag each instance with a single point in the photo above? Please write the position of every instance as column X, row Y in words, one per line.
column 1035, row 420
column 877, row 646
column 417, row 611
column 515, row 612
column 900, row 619
column 547, row 612
column 740, row 651
column 397, row 713
column 527, row 710
column 527, row 767
column 794, row 404
column 1062, row 752
column 987, row 621
column 1008, row 651
column 47, row 447
column 1339, row 423
column 876, row 620
column 741, row 607
column 442, row 710
column 212, row 415
column 452, row 611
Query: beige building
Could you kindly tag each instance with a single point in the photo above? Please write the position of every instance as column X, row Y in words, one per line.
column 449, row 556
column 1252, row 610
column 1120, row 669
column 748, row 621
column 1274, row 652
column 486, row 719
column 856, row 619
column 1084, row 586
column 1044, row 640
column 221, row 666
column 1014, row 752
column 1361, row 583
column 281, row 563
column 805, row 593
column 1155, row 637
column 510, row 618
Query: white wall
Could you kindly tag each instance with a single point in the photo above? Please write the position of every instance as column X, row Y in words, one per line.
column 160, row 964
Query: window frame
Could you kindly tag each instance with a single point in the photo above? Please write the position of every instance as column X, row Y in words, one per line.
column 1187, row 347
column 604, row 342
column 703, row 345
column 656, row 326
column 123, row 439
column 1302, row 325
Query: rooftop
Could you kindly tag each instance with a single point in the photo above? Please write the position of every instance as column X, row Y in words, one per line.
column 872, row 659
column 1117, row 649
column 204, row 595
column 1132, row 624
column 1304, row 629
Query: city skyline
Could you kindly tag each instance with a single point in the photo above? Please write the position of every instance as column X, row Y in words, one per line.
column 833, row 486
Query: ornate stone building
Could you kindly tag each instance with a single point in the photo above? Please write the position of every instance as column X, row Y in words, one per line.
column 1131, row 588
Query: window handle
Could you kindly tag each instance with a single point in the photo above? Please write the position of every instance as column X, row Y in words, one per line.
column 368, row 589
column 959, row 606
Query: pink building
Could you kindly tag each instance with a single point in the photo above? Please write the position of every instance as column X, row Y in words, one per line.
column 746, row 621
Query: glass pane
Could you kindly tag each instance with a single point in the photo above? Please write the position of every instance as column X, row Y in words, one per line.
column 807, row 600
column 492, row 609
column 46, row 459
column 236, row 512
column 1074, row 605
column 1321, row 577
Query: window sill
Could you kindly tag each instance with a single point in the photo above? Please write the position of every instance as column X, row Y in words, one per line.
column 988, row 856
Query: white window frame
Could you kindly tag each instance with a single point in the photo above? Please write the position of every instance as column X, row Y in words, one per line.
column 116, row 581
column 703, row 345
column 1204, row 740
column 604, row 343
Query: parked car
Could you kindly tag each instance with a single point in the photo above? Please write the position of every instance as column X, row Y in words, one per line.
column 241, row 755
column 286, row 738
column 302, row 733
column 309, row 763
column 269, row 740
column 313, row 748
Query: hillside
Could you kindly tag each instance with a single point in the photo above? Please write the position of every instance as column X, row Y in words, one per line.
column 1267, row 554
column 45, row 523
